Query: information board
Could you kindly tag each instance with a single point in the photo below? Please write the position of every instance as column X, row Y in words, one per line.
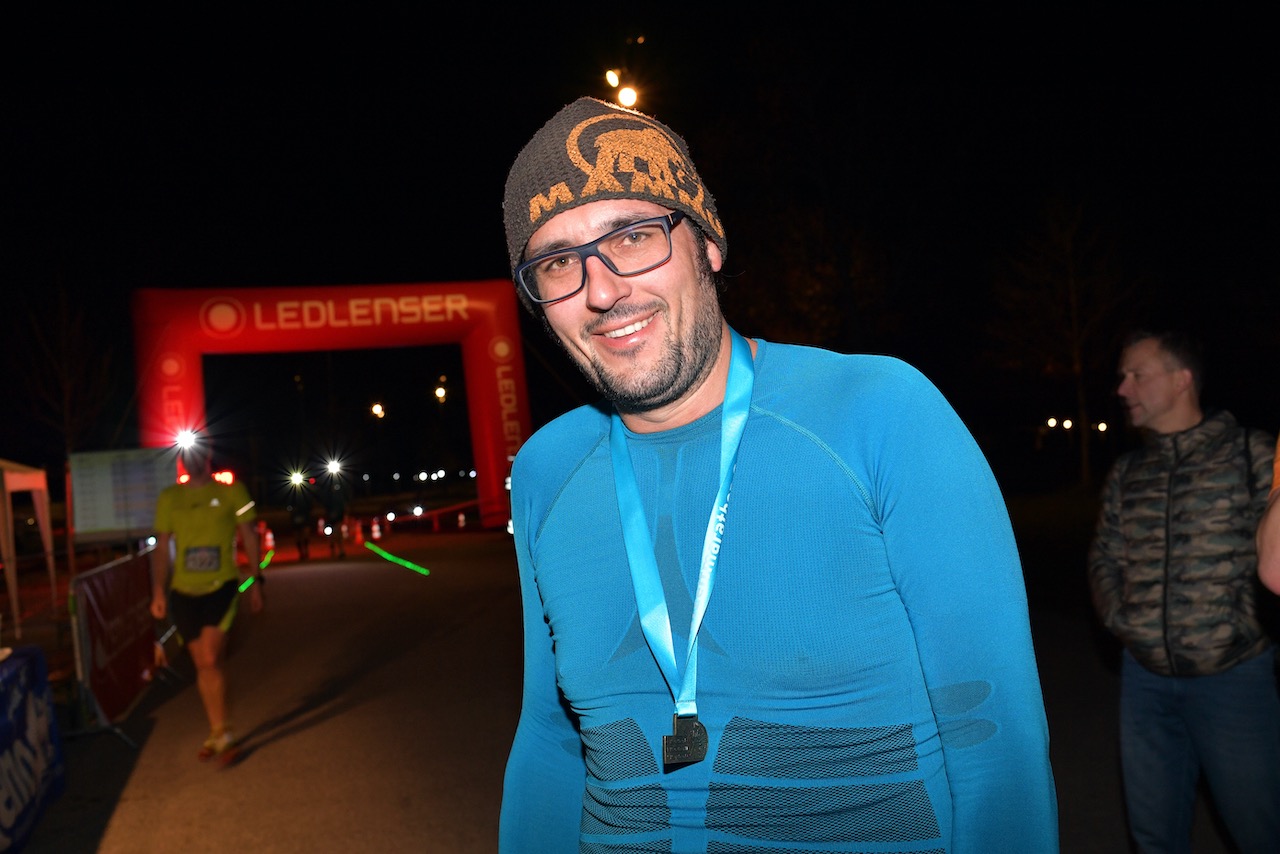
column 113, row 493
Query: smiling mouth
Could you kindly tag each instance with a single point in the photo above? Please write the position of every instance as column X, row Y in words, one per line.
column 630, row 329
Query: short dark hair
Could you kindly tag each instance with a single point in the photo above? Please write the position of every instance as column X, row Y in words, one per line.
column 197, row 456
column 1182, row 347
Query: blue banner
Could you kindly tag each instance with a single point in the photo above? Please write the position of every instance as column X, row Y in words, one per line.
column 32, row 766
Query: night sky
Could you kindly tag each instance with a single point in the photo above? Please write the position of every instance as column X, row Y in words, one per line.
column 332, row 151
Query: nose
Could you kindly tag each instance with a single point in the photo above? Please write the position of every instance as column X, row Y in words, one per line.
column 604, row 287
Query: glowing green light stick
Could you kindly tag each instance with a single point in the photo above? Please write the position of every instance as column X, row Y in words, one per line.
column 386, row 555
column 248, row 582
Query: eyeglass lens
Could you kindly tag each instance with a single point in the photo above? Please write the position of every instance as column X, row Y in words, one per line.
column 627, row 251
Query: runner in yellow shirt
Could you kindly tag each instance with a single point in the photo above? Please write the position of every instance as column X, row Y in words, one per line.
column 196, row 577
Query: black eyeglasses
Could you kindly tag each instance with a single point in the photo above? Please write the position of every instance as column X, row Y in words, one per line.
column 628, row 251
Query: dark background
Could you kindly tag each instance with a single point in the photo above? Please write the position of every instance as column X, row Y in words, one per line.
column 905, row 158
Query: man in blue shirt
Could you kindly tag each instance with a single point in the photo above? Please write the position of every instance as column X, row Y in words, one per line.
column 772, row 599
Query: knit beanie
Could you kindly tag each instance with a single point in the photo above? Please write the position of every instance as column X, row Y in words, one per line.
column 592, row 150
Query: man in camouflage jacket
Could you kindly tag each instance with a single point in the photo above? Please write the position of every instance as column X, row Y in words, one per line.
column 1173, row 575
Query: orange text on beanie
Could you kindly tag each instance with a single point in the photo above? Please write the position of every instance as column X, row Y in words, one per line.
column 592, row 150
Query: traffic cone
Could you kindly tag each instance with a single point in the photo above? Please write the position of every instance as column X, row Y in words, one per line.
column 376, row 530
column 359, row 533
column 271, row 540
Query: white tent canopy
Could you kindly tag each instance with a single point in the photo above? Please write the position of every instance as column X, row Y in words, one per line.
column 19, row 478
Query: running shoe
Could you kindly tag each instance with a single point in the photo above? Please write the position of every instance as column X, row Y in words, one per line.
column 217, row 745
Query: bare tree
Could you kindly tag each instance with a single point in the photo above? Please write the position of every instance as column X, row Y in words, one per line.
column 67, row 369
column 62, row 359
column 816, row 281
column 1061, row 303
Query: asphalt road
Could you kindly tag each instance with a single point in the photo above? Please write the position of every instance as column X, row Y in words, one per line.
column 377, row 706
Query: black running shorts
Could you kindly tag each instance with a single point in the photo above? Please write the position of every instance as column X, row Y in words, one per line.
column 192, row 613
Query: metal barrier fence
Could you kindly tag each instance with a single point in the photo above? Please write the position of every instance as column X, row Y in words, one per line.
column 114, row 640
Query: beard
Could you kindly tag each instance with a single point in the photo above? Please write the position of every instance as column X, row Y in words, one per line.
column 683, row 364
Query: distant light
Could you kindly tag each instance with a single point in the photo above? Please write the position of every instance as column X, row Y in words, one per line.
column 1052, row 422
column 611, row 77
column 1066, row 424
column 365, row 477
column 334, row 466
column 378, row 411
column 627, row 96
column 1102, row 426
column 296, row 478
column 220, row 476
column 395, row 476
column 417, row 510
column 472, row 473
column 391, row 515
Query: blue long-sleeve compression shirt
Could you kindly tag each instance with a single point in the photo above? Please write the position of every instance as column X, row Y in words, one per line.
column 865, row 667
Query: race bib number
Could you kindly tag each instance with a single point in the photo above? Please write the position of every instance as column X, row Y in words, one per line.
column 203, row 559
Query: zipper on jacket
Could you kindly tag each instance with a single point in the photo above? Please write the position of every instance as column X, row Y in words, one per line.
column 1168, row 549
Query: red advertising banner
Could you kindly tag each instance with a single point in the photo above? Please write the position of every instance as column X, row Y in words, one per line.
column 116, row 648
column 174, row 329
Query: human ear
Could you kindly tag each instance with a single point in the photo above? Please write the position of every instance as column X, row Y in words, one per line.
column 714, row 258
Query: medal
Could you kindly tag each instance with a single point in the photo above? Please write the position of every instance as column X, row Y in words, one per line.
column 688, row 742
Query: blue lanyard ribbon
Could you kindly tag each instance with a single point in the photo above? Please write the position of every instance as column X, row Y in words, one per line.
column 655, row 619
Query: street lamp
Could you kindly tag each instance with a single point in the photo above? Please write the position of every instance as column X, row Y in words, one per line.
column 622, row 78
column 625, row 92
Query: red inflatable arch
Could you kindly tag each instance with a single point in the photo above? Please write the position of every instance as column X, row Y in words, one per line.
column 173, row 329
